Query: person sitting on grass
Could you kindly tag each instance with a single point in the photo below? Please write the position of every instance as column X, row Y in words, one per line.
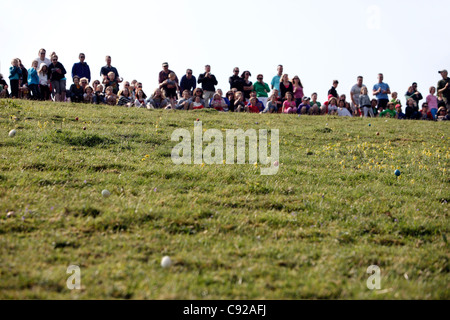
column 140, row 101
column 158, row 100
column 110, row 96
column 342, row 110
column 3, row 88
column 304, row 107
column 259, row 103
column 199, row 92
column 197, row 104
column 99, row 96
column 442, row 114
column 218, row 102
column 273, row 103
column 289, row 105
column 76, row 91
column 425, row 114
column 253, row 106
column 315, row 105
column 125, row 98
column 184, row 103
column 239, row 103
column 332, row 107
column 389, row 112
column 399, row 114
column 88, row 96
column 412, row 110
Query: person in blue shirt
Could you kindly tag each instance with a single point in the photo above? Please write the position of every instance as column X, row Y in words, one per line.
column 188, row 82
column 81, row 69
column 381, row 90
column 275, row 84
column 14, row 77
column 33, row 81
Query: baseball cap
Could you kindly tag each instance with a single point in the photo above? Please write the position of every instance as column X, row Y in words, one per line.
column 443, row 71
column 398, row 106
column 306, row 99
column 165, row 64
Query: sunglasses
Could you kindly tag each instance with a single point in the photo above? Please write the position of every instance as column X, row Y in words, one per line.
column 260, row 78
column 189, row 73
column 54, row 60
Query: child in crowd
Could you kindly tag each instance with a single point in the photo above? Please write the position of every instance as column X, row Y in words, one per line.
column 252, row 107
column 332, row 106
column 184, row 102
column 289, row 106
column 88, row 96
column 33, row 81
column 197, row 104
column 14, row 76
column 304, row 107
column 239, row 103
column 374, row 103
column 315, row 105
column 110, row 96
column 412, row 110
column 112, row 82
column 140, row 101
column 272, row 104
column 365, row 103
column 171, row 89
column 342, row 111
column 43, row 82
column 432, row 101
column 399, row 114
column 99, row 96
column 76, row 91
column 24, row 91
column 125, row 98
column 218, row 103
column 394, row 99
column 389, row 112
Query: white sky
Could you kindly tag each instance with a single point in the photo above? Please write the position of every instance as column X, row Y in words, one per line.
column 317, row 40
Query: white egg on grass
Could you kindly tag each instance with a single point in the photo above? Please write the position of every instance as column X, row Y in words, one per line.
column 166, row 262
column 12, row 133
column 106, row 193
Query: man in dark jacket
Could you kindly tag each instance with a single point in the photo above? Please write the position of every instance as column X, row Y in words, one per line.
column 208, row 82
column 81, row 69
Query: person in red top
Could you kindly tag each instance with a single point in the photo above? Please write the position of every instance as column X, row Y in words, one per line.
column 253, row 107
column 426, row 113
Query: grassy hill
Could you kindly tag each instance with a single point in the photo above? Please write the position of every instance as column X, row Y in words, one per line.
column 309, row 232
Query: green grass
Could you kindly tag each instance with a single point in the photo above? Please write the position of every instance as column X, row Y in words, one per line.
column 310, row 232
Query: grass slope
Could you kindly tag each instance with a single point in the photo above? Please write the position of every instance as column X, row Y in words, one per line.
column 310, row 232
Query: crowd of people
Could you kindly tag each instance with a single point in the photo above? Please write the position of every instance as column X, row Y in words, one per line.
column 46, row 80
